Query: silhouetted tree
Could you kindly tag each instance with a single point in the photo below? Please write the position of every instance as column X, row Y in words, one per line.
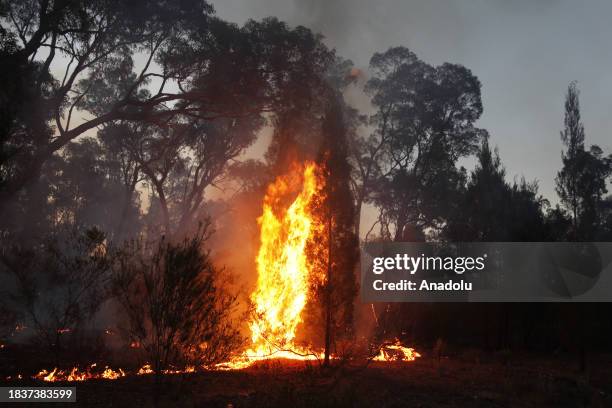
column 572, row 137
column 334, row 247
column 427, row 114
column 493, row 210
column 195, row 65
column 581, row 183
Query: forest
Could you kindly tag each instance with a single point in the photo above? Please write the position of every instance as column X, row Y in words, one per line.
column 148, row 147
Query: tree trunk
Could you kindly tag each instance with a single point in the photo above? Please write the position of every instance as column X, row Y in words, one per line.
column 328, row 311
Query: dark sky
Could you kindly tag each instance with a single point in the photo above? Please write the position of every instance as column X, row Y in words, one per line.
column 524, row 52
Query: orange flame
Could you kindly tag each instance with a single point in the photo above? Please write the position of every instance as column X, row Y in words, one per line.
column 282, row 265
column 396, row 352
column 145, row 369
column 283, row 269
column 76, row 374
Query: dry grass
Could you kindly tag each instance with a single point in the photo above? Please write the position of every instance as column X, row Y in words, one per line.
column 466, row 380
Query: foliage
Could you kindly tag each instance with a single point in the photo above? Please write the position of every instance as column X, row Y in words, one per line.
column 581, row 183
column 493, row 210
column 177, row 308
column 197, row 66
column 334, row 248
column 425, row 119
column 60, row 283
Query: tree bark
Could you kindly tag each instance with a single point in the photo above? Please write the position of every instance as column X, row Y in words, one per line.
column 328, row 308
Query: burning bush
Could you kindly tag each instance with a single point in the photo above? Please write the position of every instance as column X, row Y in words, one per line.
column 175, row 303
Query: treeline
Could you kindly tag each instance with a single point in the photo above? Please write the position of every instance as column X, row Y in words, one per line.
column 118, row 119
column 407, row 168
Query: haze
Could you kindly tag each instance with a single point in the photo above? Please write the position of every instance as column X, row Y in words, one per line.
column 525, row 53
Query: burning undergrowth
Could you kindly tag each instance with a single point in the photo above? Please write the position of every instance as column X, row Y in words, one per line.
column 293, row 266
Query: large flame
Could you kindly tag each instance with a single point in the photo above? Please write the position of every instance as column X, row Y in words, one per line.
column 283, row 269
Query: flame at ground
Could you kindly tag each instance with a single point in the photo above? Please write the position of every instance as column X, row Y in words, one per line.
column 92, row 373
column 76, row 374
column 396, row 352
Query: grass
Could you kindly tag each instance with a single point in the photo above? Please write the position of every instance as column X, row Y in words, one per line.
column 468, row 380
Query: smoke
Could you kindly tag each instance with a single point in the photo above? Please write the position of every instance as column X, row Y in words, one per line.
column 524, row 52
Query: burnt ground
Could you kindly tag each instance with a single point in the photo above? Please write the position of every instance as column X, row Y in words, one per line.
column 471, row 380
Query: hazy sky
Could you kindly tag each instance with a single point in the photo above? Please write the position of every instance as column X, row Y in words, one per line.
column 524, row 52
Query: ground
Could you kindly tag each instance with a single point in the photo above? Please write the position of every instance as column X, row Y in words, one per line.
column 472, row 380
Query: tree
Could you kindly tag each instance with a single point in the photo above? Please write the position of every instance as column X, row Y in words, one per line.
column 483, row 213
column 492, row 210
column 87, row 188
column 366, row 158
column 572, row 137
column 179, row 163
column 426, row 114
column 335, row 263
column 195, row 65
column 581, row 183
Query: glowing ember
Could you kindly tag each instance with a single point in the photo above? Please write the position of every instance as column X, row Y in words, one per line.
column 19, row 328
column 145, row 369
column 110, row 374
column 186, row 370
column 396, row 352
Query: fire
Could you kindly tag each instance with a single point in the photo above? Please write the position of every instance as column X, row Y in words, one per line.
column 396, row 352
column 110, row 374
column 92, row 373
column 145, row 369
column 76, row 374
column 285, row 275
column 283, row 269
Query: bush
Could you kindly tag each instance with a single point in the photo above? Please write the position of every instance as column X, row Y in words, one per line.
column 175, row 303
